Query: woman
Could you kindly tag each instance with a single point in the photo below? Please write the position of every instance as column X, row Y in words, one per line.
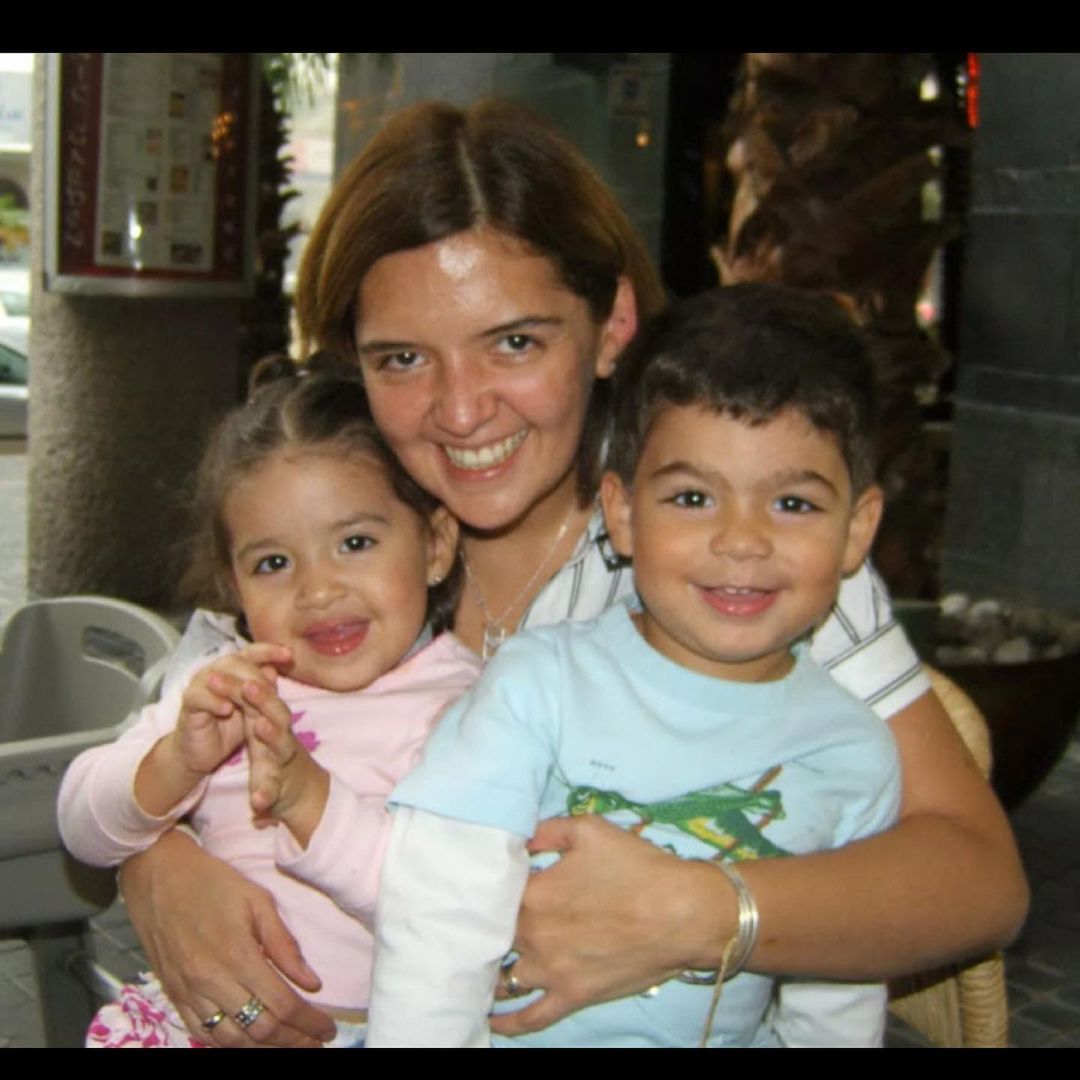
column 486, row 281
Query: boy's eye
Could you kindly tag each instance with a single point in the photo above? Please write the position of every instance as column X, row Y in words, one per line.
column 691, row 500
column 794, row 504
column 513, row 344
column 357, row 543
column 271, row 564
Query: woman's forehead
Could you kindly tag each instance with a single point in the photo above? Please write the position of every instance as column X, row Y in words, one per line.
column 469, row 282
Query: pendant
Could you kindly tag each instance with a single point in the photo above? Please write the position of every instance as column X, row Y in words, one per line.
column 494, row 636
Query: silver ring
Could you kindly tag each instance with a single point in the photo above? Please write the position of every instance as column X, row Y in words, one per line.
column 510, row 982
column 212, row 1022
column 248, row 1013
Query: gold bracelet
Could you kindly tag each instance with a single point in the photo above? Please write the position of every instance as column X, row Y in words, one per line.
column 738, row 949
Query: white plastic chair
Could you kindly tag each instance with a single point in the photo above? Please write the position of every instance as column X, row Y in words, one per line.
column 73, row 670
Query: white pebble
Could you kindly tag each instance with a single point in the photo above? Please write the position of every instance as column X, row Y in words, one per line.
column 955, row 604
column 1016, row 650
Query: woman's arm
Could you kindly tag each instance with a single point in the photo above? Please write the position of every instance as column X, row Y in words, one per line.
column 215, row 941
column 616, row 915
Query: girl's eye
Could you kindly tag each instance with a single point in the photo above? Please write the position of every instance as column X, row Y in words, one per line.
column 794, row 504
column 357, row 543
column 271, row 564
column 691, row 500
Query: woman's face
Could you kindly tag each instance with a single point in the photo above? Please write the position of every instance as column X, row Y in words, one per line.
column 479, row 364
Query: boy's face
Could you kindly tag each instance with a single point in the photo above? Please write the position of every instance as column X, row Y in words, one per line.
column 739, row 535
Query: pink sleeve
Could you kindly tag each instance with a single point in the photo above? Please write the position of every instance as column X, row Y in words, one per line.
column 345, row 853
column 100, row 821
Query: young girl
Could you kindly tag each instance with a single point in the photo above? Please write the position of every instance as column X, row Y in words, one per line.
column 282, row 744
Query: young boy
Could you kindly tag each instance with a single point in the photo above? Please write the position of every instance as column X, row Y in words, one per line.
column 741, row 488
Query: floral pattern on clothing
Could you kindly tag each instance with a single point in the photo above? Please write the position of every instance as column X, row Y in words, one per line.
column 142, row 1018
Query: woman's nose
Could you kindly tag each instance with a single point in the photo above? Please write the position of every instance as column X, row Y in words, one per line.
column 466, row 400
column 741, row 535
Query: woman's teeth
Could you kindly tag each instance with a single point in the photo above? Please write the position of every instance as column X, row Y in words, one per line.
column 485, row 457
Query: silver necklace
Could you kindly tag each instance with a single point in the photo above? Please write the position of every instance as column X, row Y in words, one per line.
column 494, row 631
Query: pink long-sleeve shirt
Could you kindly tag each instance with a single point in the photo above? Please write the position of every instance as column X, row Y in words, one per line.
column 326, row 894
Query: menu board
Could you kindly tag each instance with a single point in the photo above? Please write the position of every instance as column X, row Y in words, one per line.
column 151, row 173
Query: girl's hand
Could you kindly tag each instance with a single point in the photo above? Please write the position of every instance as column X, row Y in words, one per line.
column 211, row 724
column 285, row 782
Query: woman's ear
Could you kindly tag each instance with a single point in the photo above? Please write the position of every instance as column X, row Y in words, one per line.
column 862, row 527
column 442, row 544
column 618, row 329
column 615, row 500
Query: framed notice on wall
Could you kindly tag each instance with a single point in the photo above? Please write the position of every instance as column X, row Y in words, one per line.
column 151, row 173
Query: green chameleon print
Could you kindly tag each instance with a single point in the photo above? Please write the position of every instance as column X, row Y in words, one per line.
column 719, row 815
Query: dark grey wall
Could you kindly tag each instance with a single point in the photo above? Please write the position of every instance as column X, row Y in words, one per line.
column 1013, row 525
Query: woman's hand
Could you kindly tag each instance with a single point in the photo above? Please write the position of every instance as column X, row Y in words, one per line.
column 215, row 941
column 614, row 916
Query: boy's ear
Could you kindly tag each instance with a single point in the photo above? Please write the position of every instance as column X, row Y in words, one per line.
column 618, row 328
column 615, row 500
column 863, row 526
column 442, row 544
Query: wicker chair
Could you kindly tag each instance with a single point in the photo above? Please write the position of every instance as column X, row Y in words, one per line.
column 960, row 1005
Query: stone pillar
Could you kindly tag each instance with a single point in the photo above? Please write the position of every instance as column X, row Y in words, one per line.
column 122, row 394
column 1013, row 526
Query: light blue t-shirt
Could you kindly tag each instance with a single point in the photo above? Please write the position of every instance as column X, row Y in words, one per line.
column 587, row 717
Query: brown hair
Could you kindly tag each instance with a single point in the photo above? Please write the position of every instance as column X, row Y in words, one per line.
column 435, row 170
column 749, row 351
column 312, row 407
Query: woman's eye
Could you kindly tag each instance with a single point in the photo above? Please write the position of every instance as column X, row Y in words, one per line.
column 794, row 504
column 271, row 564
column 357, row 543
column 691, row 500
column 399, row 361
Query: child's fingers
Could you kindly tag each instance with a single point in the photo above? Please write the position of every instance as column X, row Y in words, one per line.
column 200, row 698
column 259, row 697
column 279, row 742
column 266, row 758
column 265, row 655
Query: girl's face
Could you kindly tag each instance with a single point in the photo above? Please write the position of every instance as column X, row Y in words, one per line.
column 328, row 561
column 479, row 363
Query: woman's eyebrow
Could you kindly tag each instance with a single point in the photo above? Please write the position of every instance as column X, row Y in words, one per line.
column 526, row 322
column 384, row 346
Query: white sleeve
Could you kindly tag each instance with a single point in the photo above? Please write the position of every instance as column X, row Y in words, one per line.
column 830, row 1014
column 865, row 649
column 447, row 909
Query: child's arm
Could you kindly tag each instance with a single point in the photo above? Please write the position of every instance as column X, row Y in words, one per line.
column 285, row 781
column 447, row 908
column 210, row 726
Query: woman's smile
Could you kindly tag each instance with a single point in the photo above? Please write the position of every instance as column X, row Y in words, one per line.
column 485, row 457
